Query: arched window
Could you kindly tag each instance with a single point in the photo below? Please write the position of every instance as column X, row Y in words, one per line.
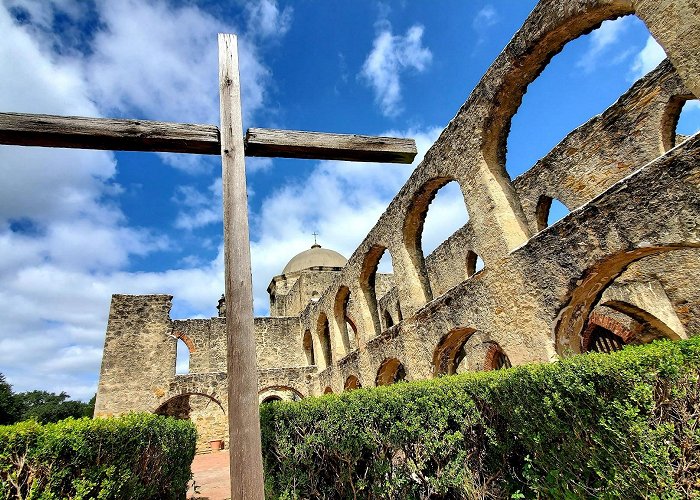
column 549, row 211
column 445, row 214
column 603, row 340
column 390, row 371
column 388, row 321
column 345, row 326
column 598, row 67
column 324, row 339
column 375, row 282
column 182, row 364
column 474, row 264
column 309, row 348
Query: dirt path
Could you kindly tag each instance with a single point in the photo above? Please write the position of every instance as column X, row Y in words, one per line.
column 211, row 479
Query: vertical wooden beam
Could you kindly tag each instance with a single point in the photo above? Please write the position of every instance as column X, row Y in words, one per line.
column 246, row 467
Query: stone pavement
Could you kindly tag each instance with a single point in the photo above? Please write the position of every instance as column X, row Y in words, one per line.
column 211, row 477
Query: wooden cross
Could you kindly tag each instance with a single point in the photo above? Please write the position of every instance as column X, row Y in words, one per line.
column 314, row 234
column 138, row 135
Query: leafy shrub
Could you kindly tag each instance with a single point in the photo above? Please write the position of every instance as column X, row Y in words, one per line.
column 139, row 456
column 624, row 425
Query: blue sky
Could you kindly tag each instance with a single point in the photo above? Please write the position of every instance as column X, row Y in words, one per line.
column 77, row 226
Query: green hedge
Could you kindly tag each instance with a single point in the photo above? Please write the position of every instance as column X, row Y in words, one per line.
column 135, row 456
column 625, row 425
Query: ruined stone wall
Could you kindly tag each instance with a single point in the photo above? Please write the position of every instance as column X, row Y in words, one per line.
column 139, row 354
column 206, row 340
column 278, row 342
column 625, row 259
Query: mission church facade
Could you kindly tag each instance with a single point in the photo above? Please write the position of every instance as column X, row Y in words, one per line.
column 622, row 267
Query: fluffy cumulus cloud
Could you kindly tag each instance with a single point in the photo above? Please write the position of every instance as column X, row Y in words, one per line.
column 65, row 244
column 647, row 59
column 392, row 56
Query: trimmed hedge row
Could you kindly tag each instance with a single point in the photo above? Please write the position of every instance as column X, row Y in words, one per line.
column 624, row 425
column 139, row 456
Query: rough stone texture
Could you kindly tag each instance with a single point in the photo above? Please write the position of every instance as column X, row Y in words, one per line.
column 625, row 260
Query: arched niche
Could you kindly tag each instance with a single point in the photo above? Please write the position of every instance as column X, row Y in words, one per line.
column 390, row 371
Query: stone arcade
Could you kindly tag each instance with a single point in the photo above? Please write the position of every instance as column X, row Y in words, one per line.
column 622, row 267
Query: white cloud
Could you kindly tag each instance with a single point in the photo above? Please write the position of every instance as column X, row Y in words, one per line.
column 65, row 245
column 649, row 58
column 601, row 40
column 391, row 56
column 486, row 17
column 265, row 19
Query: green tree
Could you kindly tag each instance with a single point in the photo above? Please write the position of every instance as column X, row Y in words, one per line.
column 47, row 407
column 9, row 410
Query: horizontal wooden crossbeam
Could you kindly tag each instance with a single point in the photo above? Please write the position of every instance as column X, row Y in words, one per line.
column 22, row 129
column 323, row 146
column 107, row 133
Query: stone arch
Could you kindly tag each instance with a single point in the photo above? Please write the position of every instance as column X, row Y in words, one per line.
column 672, row 113
column 340, row 312
column 473, row 263
column 596, row 322
column 368, row 276
column 352, row 383
column 496, row 358
column 328, row 390
column 278, row 393
column 642, row 316
column 542, row 212
column 390, row 371
column 533, row 53
column 449, row 351
column 163, row 405
column 308, row 346
column 186, row 340
column 573, row 317
column 413, row 232
column 323, row 333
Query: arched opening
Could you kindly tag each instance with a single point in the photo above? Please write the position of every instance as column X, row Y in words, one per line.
column 474, row 263
column 205, row 411
column 278, row 393
column 388, row 321
column 549, row 211
column 681, row 120
column 308, row 344
column 270, row 399
column 352, row 383
column 182, row 358
column 328, row 390
column 496, row 359
column 597, row 67
column 390, row 371
column 346, row 327
column 324, row 339
column 449, row 352
column 375, row 281
column 574, row 317
column 444, row 215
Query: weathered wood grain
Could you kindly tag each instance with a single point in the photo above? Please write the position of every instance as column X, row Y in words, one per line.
column 23, row 129
column 246, row 466
column 322, row 146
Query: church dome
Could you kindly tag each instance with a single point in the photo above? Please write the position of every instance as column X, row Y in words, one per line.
column 314, row 257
